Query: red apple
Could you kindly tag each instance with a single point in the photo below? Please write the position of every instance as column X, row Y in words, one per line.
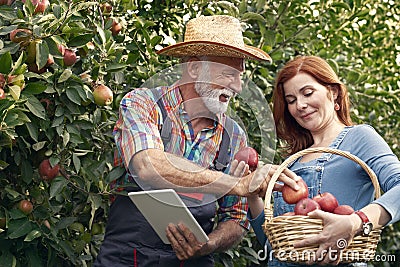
column 249, row 155
column 327, row 201
column 2, row 94
column 289, row 213
column 344, row 210
column 116, row 27
column 106, row 8
column 69, row 57
column 18, row 80
column 47, row 172
column 292, row 196
column 2, row 80
column 61, row 48
column 50, row 61
column 305, row 205
column 25, row 206
column 20, row 35
column 102, row 95
column 5, row 2
column 41, row 5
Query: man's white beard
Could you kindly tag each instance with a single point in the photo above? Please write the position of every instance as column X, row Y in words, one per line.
column 209, row 95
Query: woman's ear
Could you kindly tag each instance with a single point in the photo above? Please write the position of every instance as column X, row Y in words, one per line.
column 335, row 92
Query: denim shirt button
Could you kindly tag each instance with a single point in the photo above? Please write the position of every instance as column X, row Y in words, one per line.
column 318, row 168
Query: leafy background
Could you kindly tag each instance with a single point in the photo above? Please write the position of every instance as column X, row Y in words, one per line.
column 53, row 115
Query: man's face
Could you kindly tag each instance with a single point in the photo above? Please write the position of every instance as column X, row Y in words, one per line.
column 219, row 81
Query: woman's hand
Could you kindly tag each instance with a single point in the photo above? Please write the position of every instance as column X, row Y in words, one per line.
column 338, row 232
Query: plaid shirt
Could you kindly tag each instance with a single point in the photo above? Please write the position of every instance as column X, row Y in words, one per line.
column 138, row 128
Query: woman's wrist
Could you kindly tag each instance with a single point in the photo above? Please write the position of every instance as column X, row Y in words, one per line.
column 357, row 224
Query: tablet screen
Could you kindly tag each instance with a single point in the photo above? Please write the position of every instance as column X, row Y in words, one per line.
column 164, row 206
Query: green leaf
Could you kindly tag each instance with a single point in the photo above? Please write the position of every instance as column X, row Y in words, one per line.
column 65, row 75
column 352, row 76
column 26, row 171
column 35, row 88
column 5, row 63
column 15, row 91
column 253, row 16
column 14, row 194
column 42, row 54
column 100, row 31
column 64, row 222
column 32, row 235
column 18, row 228
column 80, row 40
column 73, row 95
column 115, row 67
column 76, row 161
column 3, row 165
column 115, row 173
column 18, row 64
column 57, row 185
column 34, row 105
column 33, row 130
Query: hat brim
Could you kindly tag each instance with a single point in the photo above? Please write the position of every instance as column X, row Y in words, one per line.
column 207, row 48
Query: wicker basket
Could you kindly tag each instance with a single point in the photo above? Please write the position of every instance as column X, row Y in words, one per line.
column 284, row 231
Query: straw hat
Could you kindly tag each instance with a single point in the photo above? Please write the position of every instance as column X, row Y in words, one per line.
column 219, row 35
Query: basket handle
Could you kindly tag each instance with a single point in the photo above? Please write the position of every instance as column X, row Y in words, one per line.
column 292, row 158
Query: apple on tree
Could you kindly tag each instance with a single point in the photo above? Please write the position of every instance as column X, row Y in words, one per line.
column 327, row 201
column 116, row 27
column 61, row 48
column 103, row 96
column 2, row 94
column 106, row 8
column 6, row 2
column 25, row 206
column 343, row 210
column 69, row 57
column 40, row 5
column 292, row 196
column 305, row 205
column 21, row 36
column 249, row 155
column 47, row 172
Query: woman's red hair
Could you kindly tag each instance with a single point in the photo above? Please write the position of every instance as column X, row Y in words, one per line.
column 296, row 137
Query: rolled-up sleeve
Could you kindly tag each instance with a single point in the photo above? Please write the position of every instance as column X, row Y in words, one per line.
column 137, row 126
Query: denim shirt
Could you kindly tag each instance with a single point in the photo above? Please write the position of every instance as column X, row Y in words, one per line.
column 344, row 178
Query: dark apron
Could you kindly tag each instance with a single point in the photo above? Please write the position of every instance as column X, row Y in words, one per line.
column 131, row 241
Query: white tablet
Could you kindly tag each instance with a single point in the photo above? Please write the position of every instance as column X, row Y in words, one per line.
column 164, row 206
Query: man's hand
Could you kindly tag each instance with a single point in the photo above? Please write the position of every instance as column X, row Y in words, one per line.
column 184, row 243
column 256, row 183
column 337, row 233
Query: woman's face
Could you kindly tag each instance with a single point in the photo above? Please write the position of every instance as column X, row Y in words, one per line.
column 309, row 102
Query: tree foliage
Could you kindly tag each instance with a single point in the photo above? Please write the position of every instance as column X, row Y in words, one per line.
column 51, row 113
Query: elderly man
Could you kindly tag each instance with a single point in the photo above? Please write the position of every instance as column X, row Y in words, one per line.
column 193, row 112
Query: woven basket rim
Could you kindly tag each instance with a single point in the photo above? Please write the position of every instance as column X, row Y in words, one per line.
column 268, row 195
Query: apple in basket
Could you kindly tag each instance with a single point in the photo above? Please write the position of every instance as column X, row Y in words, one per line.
column 292, row 196
column 326, row 201
column 344, row 210
column 305, row 205
column 289, row 213
column 248, row 155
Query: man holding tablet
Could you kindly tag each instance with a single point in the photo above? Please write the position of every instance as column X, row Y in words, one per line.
column 192, row 113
